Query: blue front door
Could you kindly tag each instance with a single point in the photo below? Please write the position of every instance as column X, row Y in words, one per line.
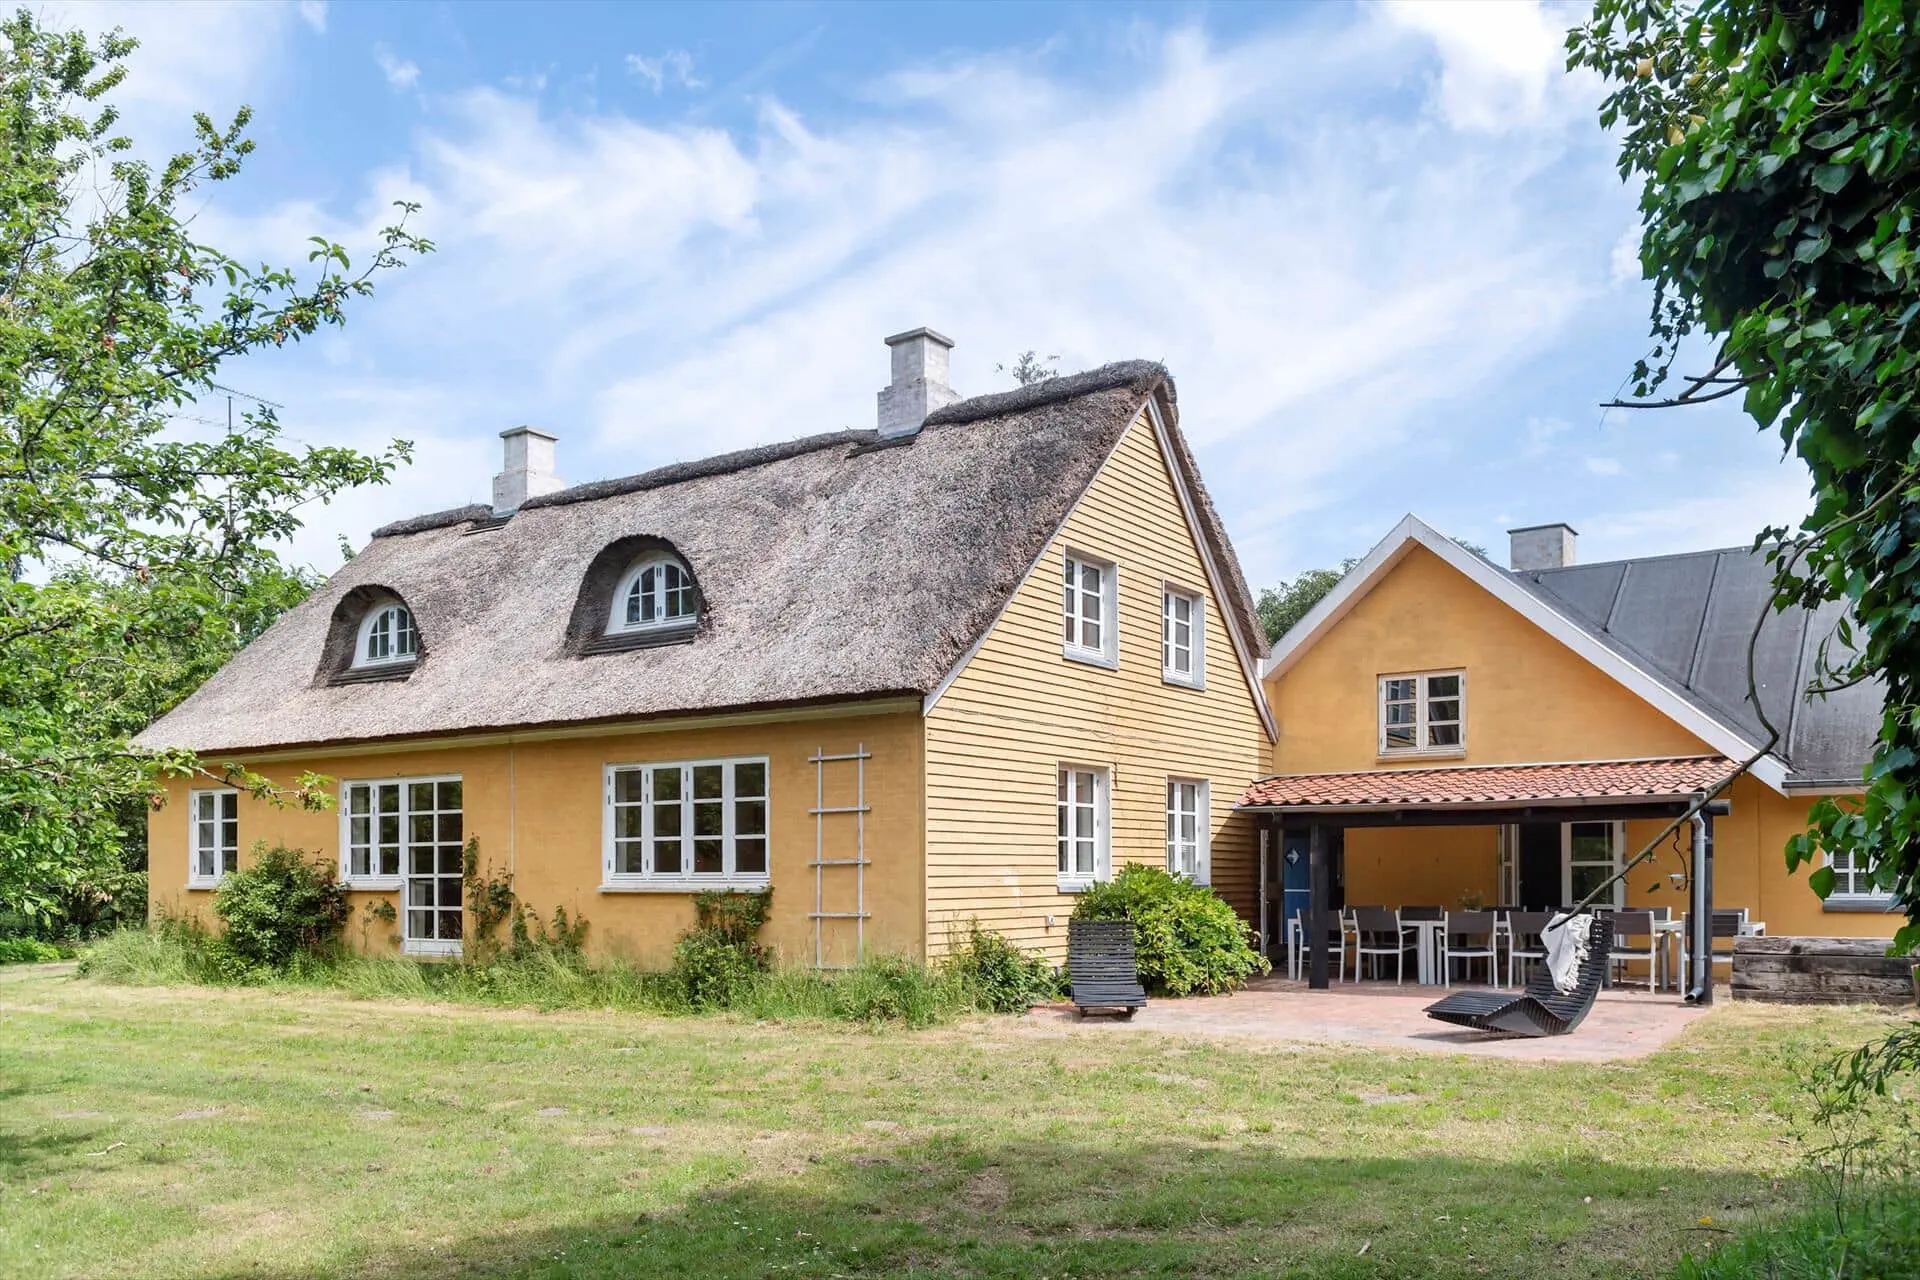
column 1296, row 888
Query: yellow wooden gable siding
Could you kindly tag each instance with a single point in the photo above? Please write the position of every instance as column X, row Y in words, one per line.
column 1019, row 709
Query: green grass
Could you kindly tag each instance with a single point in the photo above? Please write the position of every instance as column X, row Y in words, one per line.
column 166, row 1131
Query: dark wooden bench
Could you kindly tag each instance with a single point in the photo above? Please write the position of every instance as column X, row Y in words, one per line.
column 1101, row 967
column 1541, row 1009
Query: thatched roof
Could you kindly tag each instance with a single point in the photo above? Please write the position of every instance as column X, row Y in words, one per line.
column 834, row 567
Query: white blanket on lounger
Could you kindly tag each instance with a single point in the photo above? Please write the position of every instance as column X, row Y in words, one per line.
column 1566, row 942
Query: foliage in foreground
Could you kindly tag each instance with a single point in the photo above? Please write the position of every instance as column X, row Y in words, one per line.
column 1187, row 939
column 1870, row 1240
column 131, row 535
column 282, row 904
column 1779, row 148
column 28, row 951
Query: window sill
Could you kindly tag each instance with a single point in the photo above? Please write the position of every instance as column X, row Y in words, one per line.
column 1195, row 683
column 429, row 947
column 1860, row 905
column 1075, row 884
column 375, row 673
column 1436, row 753
column 205, row 886
column 1090, row 657
column 685, row 884
column 371, row 884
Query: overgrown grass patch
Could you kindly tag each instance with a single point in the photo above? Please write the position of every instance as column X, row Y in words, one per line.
column 198, row 1131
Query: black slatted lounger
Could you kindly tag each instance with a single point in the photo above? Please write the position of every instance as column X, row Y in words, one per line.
column 1100, row 965
column 1541, row 1009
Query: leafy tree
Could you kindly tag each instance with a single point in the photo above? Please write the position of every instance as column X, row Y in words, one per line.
column 118, row 520
column 1282, row 606
column 1029, row 367
column 1776, row 148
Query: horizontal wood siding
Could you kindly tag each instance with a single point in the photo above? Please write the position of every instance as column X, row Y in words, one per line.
column 1019, row 709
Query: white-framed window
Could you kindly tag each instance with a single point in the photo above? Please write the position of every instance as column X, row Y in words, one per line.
column 1590, row 854
column 1423, row 713
column 213, row 819
column 387, row 636
column 1089, row 611
column 1189, row 814
column 678, row 825
column 656, row 592
column 1852, row 882
column 1183, row 637
column 409, row 834
column 1084, row 848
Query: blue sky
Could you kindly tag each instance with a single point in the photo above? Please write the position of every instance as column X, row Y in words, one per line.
column 1382, row 248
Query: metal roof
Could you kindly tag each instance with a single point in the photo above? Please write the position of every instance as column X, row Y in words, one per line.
column 1687, row 620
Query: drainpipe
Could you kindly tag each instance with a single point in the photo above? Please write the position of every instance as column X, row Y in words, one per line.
column 1700, row 932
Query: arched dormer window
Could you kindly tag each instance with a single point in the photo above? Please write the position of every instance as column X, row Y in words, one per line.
column 656, row 592
column 387, row 637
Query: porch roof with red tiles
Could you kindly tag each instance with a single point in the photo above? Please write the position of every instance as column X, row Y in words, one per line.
column 1488, row 786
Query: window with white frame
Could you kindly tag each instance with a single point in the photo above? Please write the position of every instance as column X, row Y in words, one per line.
column 1187, row 829
column 215, row 816
column 656, row 592
column 1423, row 712
column 409, row 834
column 1852, row 881
column 387, row 637
column 1083, row 839
column 1089, row 612
column 702, row 822
column 1182, row 636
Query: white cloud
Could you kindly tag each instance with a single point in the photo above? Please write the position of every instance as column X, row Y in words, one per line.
column 1625, row 260
column 674, row 67
column 1540, row 434
column 402, row 74
column 314, row 14
column 1502, row 65
column 1603, row 467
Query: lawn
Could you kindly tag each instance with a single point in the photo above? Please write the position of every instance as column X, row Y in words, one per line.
column 175, row 1131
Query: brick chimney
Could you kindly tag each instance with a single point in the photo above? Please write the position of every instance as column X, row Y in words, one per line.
column 528, row 469
column 1540, row 546
column 919, row 383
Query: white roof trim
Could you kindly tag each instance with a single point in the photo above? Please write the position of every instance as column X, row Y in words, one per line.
column 1412, row 531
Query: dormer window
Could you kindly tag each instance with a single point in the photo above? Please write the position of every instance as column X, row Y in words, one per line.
column 656, row 592
column 387, row 637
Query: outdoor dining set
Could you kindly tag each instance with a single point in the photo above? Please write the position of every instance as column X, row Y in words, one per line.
column 1435, row 946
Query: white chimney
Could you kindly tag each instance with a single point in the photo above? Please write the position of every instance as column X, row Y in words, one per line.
column 919, row 383
column 1540, row 546
column 529, row 468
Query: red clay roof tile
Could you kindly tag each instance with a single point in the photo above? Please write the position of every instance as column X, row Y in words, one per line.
column 1432, row 788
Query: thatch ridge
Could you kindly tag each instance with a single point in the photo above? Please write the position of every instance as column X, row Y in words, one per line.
column 1139, row 375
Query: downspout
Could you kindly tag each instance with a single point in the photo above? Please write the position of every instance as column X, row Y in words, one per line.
column 1700, row 941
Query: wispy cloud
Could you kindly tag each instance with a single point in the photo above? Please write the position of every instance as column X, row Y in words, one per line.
column 402, row 74
column 314, row 14
column 674, row 67
column 1603, row 467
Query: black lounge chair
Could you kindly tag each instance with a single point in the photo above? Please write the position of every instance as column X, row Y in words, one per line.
column 1101, row 968
column 1542, row 1009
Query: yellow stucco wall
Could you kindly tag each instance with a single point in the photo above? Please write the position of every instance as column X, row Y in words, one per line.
column 1019, row 709
column 1529, row 698
column 537, row 807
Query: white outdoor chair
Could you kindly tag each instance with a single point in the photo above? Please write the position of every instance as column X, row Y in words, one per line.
column 1524, row 941
column 1379, row 933
column 1634, row 940
column 1468, row 936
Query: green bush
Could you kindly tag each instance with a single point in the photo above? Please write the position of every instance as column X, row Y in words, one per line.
column 284, row 904
column 1188, row 940
column 712, row 971
column 1871, row 1237
column 27, row 951
column 998, row 976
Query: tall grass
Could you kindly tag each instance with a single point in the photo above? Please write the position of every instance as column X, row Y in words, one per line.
column 880, row 990
column 1870, row 1238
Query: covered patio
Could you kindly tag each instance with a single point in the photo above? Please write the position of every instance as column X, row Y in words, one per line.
column 1559, row 832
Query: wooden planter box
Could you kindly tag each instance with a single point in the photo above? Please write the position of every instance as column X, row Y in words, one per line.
column 1821, row 971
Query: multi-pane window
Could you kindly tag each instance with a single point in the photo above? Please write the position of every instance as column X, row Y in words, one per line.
column 1083, row 825
column 389, row 636
column 1187, row 829
column 216, row 834
column 702, row 820
column 1087, row 610
column 409, row 830
column 1182, row 633
column 655, row 594
column 1426, row 712
column 1850, row 879
column 1593, row 852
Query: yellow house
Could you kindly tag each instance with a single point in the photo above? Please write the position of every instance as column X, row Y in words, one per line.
column 955, row 667
column 1451, row 732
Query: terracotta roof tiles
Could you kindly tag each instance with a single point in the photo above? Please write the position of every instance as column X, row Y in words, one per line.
column 1468, row 785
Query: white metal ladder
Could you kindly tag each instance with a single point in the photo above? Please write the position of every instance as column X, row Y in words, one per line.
column 821, row 811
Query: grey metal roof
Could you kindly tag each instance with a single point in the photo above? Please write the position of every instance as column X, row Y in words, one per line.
column 1687, row 620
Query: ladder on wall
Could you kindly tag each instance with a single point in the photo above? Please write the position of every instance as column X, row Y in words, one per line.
column 822, row 864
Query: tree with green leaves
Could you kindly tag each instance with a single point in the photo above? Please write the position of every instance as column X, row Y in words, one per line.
column 1775, row 145
column 127, row 529
column 1282, row 606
